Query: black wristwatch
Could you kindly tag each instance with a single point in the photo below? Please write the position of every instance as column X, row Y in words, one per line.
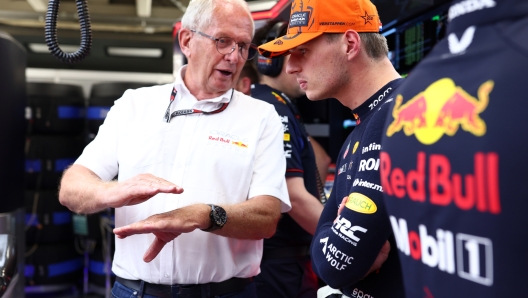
column 218, row 218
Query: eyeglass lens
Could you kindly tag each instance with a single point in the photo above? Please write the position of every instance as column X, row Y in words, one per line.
column 226, row 45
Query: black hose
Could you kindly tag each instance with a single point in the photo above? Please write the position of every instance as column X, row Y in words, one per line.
column 51, row 32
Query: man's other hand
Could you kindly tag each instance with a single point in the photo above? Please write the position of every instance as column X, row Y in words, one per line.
column 137, row 190
column 166, row 227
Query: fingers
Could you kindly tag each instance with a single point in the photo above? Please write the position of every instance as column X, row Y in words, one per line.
column 159, row 184
column 140, row 227
column 143, row 187
column 385, row 249
column 381, row 258
column 158, row 223
column 154, row 249
column 123, row 232
column 161, row 238
column 342, row 205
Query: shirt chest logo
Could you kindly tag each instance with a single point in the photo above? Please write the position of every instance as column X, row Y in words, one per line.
column 225, row 139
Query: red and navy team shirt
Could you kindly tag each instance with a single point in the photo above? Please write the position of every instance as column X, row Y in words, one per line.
column 454, row 160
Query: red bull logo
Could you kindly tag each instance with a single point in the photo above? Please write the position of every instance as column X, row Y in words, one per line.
column 434, row 182
column 441, row 109
column 356, row 116
column 239, row 144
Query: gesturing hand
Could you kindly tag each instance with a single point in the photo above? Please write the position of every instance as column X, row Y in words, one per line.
column 138, row 189
column 166, row 227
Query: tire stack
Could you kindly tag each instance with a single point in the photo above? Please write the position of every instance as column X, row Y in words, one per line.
column 54, row 140
column 102, row 97
column 100, row 277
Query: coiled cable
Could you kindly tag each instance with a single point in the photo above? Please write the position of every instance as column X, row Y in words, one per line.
column 51, row 32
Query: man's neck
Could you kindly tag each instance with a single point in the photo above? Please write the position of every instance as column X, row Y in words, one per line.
column 365, row 81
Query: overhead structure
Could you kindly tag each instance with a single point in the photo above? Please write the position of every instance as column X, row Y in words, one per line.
column 38, row 5
column 144, row 8
column 128, row 35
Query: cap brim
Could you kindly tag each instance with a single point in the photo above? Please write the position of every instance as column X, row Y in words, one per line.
column 282, row 45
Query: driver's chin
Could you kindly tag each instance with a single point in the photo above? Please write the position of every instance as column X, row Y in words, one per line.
column 313, row 96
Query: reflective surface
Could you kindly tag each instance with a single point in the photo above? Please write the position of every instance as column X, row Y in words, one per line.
column 11, row 254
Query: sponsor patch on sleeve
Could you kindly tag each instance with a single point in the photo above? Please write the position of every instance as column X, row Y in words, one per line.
column 278, row 97
column 361, row 203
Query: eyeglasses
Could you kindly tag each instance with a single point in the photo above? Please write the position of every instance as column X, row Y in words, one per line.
column 227, row 45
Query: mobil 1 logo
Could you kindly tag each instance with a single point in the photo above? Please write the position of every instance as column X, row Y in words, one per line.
column 471, row 257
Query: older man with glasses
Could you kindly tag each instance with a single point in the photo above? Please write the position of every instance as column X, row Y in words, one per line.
column 196, row 161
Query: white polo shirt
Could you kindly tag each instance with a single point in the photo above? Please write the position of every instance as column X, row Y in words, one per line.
column 223, row 158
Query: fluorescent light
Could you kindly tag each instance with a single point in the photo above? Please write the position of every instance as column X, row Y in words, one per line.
column 135, row 52
column 38, row 5
column 143, row 8
column 42, row 48
column 389, row 32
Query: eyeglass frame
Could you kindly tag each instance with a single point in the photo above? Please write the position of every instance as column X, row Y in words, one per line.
column 216, row 40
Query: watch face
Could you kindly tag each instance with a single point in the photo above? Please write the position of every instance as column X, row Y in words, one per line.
column 220, row 216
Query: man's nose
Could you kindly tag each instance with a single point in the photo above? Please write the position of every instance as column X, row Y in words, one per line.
column 291, row 66
column 234, row 55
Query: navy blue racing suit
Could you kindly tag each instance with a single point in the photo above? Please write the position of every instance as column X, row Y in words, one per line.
column 345, row 246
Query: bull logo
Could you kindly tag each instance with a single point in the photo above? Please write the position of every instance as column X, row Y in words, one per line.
column 441, row 109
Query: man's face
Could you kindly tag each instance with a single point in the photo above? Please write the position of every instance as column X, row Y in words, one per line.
column 319, row 68
column 288, row 82
column 215, row 73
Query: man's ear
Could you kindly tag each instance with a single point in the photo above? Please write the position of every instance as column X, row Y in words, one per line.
column 353, row 43
column 184, row 38
column 244, row 85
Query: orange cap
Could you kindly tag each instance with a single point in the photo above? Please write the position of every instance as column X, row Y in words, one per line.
column 311, row 18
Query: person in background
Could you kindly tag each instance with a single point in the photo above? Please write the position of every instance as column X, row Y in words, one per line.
column 453, row 161
column 196, row 162
column 248, row 77
column 336, row 51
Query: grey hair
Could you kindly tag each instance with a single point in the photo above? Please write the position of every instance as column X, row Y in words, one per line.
column 200, row 13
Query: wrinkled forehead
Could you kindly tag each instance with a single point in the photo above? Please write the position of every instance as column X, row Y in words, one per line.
column 240, row 30
column 233, row 18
